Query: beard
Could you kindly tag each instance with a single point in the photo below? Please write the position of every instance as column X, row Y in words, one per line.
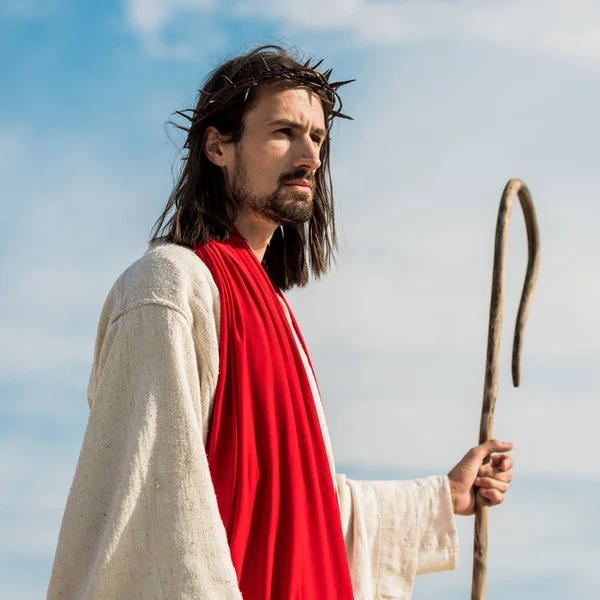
column 284, row 206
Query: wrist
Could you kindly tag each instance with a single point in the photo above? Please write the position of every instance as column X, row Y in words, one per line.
column 453, row 493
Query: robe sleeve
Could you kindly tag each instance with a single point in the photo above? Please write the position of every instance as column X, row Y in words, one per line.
column 395, row 530
column 142, row 520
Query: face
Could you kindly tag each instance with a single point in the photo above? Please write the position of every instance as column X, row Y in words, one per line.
column 272, row 169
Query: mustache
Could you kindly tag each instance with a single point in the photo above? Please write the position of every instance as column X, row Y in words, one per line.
column 297, row 174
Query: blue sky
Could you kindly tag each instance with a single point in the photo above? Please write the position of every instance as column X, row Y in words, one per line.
column 451, row 100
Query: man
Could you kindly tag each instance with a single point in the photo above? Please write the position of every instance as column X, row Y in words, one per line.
column 206, row 471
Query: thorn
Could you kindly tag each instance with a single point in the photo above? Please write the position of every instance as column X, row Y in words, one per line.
column 317, row 65
column 305, row 65
column 227, row 79
column 246, row 94
column 265, row 63
column 339, row 84
column 327, row 74
column 186, row 129
column 182, row 114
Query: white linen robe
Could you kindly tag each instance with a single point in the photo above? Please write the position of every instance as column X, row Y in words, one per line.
column 142, row 521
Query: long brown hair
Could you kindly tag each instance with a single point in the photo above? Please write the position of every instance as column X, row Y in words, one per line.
column 200, row 209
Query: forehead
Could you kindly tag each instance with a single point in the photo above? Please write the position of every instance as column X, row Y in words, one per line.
column 291, row 103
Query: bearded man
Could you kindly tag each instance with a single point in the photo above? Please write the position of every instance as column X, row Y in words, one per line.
column 206, row 470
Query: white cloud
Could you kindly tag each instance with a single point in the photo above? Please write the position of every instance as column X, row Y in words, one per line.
column 567, row 30
column 149, row 16
column 149, row 19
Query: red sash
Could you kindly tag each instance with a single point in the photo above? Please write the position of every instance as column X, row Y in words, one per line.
column 265, row 448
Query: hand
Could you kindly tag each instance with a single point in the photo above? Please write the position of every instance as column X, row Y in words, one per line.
column 471, row 475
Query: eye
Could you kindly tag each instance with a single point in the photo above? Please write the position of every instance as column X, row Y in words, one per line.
column 287, row 131
column 317, row 139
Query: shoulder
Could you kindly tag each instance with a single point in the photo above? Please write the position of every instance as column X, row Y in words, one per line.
column 149, row 306
column 169, row 275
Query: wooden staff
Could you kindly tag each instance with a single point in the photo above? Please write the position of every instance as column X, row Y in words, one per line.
column 490, row 390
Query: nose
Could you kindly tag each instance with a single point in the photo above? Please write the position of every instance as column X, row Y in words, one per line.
column 308, row 155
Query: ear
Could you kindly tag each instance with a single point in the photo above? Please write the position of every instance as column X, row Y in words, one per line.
column 215, row 147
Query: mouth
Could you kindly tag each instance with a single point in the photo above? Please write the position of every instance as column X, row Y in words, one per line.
column 300, row 183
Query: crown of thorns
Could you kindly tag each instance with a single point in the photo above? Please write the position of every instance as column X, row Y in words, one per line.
column 305, row 76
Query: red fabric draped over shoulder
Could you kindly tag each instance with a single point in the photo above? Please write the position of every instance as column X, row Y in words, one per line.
column 265, row 447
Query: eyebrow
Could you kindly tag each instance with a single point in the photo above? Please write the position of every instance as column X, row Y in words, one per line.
column 295, row 125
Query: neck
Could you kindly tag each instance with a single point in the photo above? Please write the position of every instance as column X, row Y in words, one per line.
column 256, row 231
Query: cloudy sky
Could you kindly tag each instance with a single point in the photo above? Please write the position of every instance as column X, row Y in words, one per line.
column 452, row 99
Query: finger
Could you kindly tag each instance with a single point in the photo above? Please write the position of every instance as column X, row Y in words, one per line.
column 494, row 496
column 488, row 471
column 486, row 483
column 498, row 464
column 503, row 462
